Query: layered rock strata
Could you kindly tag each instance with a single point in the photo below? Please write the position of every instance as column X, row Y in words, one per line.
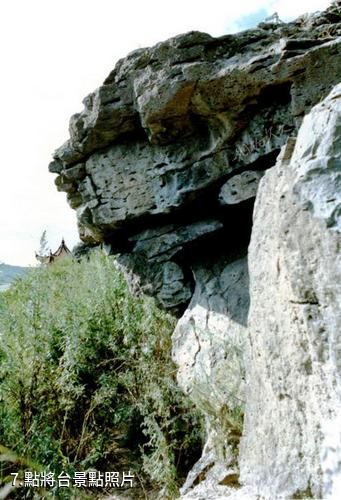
column 163, row 166
column 148, row 157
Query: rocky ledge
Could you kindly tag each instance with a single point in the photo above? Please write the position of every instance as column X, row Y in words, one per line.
column 163, row 166
column 170, row 149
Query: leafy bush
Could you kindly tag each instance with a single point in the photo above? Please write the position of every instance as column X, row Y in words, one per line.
column 86, row 379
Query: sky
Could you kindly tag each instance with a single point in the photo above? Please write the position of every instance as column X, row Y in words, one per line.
column 54, row 53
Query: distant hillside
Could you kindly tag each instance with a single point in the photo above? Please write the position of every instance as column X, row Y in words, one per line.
column 9, row 273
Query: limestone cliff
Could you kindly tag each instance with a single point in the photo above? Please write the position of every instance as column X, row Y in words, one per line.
column 292, row 415
column 163, row 167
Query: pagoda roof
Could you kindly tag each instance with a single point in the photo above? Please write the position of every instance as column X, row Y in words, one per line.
column 61, row 251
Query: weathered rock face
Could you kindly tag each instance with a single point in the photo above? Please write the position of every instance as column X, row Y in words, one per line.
column 291, row 442
column 172, row 124
column 163, row 166
column 294, row 360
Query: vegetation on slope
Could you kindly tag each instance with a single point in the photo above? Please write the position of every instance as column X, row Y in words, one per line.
column 86, row 379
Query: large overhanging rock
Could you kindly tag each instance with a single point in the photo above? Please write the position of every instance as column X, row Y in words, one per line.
column 173, row 123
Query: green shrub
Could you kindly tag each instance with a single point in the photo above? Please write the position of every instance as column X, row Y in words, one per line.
column 86, row 378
